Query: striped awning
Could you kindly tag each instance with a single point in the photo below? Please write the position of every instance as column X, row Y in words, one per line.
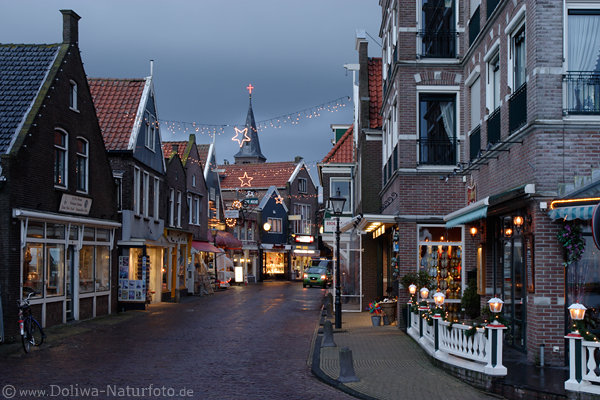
column 573, row 212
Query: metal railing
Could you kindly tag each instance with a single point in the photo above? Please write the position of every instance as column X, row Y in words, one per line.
column 582, row 93
column 475, row 143
column 493, row 126
column 474, row 26
column 435, row 44
column 517, row 109
column 437, row 152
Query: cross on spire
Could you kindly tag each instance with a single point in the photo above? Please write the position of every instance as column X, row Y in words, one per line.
column 250, row 87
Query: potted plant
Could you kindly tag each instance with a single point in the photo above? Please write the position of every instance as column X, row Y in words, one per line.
column 375, row 311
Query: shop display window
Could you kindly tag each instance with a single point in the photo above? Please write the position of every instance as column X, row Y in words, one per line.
column 86, row 269
column 102, row 268
column 33, row 267
column 55, row 256
column 274, row 263
column 440, row 255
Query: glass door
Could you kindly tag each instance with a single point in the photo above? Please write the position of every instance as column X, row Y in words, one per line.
column 514, row 290
column 70, row 275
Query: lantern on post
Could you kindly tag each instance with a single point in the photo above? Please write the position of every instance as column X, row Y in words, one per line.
column 495, row 305
column 424, row 293
column 439, row 298
column 577, row 311
column 412, row 289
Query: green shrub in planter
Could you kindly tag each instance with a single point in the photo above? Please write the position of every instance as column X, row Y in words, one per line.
column 470, row 300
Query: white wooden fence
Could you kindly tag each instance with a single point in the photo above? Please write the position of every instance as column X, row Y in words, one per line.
column 481, row 352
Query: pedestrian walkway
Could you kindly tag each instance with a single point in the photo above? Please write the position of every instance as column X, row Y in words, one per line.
column 389, row 364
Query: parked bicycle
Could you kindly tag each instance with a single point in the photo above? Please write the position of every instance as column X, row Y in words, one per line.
column 31, row 331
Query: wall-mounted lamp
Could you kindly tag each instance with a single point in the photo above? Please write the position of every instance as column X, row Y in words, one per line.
column 508, row 232
column 267, row 226
column 473, row 231
column 518, row 221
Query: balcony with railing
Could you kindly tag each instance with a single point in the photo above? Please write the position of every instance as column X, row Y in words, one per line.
column 437, row 151
column 493, row 126
column 474, row 143
column 582, row 93
column 437, row 44
column 517, row 109
column 474, row 26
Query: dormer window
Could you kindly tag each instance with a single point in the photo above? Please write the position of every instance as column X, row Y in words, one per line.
column 73, row 96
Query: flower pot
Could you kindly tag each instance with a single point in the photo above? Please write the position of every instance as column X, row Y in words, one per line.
column 376, row 320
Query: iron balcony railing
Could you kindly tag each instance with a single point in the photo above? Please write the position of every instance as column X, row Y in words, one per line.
column 491, row 6
column 475, row 143
column 436, row 44
column 517, row 109
column 474, row 26
column 437, row 152
column 493, row 127
column 583, row 93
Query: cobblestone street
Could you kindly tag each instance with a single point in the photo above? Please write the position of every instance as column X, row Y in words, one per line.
column 248, row 342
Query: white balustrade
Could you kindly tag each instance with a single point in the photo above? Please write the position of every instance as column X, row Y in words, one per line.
column 583, row 365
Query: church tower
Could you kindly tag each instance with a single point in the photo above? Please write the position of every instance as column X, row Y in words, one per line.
column 248, row 139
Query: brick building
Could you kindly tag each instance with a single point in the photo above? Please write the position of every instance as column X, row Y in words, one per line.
column 497, row 100
column 58, row 199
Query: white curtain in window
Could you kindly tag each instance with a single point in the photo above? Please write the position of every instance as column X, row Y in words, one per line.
column 475, row 92
column 448, row 117
column 584, row 42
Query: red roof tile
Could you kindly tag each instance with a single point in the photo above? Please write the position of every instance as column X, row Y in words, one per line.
column 260, row 175
column 174, row 147
column 343, row 151
column 203, row 152
column 117, row 102
column 375, row 92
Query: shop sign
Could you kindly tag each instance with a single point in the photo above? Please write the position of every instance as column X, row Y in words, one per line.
column 75, row 204
column 330, row 224
column 294, row 217
column 235, row 214
column 251, row 201
column 304, row 239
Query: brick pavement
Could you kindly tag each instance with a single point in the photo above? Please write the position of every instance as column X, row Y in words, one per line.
column 390, row 365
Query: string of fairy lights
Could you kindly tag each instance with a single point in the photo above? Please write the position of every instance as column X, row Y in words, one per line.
column 293, row 118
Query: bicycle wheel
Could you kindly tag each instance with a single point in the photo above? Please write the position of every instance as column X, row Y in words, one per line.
column 25, row 337
column 37, row 333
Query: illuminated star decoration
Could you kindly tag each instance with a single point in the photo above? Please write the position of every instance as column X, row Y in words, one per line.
column 231, row 222
column 245, row 180
column 244, row 136
column 279, row 199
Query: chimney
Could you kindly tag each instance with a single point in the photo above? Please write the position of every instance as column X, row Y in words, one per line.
column 297, row 159
column 362, row 46
column 70, row 29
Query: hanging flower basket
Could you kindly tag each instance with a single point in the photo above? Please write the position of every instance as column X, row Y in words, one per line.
column 570, row 237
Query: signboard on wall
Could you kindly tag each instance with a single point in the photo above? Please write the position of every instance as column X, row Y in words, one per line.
column 75, row 204
column 235, row 214
column 330, row 224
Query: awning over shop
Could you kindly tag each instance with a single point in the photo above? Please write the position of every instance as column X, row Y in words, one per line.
column 205, row 246
column 365, row 222
column 228, row 241
column 583, row 212
column 470, row 213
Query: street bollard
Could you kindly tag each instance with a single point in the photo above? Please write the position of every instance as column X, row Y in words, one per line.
column 323, row 319
column 347, row 373
column 328, row 335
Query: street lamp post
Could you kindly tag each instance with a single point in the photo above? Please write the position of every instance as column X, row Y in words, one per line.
column 336, row 204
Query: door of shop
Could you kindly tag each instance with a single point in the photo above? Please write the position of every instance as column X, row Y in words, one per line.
column 514, row 289
column 70, row 275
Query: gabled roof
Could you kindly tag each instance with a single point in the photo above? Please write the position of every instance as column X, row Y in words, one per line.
column 169, row 148
column 343, row 151
column 375, row 92
column 271, row 193
column 203, row 150
column 261, row 175
column 24, row 68
column 118, row 103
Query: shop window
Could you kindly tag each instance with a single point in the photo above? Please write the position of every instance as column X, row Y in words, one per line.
column 440, row 255
column 437, row 121
column 55, row 231
column 86, row 269
column 35, row 230
column 55, row 269
column 33, row 267
column 274, row 263
column 344, row 186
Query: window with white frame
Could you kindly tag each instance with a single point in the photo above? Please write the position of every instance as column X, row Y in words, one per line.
column 343, row 186
column 137, row 188
column 493, row 83
column 178, row 209
column 146, row 195
column 302, row 185
column 82, row 164
column 73, row 95
column 197, row 210
column 60, row 158
column 150, row 131
column 302, row 226
column 519, row 58
column 190, row 214
column 276, row 225
column 156, row 198
column 475, row 98
column 582, row 80
column 437, row 129
column 171, row 207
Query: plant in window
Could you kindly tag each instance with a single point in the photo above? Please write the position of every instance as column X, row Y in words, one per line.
column 570, row 237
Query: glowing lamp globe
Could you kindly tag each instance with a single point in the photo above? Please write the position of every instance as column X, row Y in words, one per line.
column 577, row 311
column 267, row 226
column 412, row 289
column 495, row 305
column 439, row 298
column 424, row 293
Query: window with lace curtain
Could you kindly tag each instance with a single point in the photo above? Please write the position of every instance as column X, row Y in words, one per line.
column 437, row 129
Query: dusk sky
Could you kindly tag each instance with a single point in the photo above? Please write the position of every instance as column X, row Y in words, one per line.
column 206, row 53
